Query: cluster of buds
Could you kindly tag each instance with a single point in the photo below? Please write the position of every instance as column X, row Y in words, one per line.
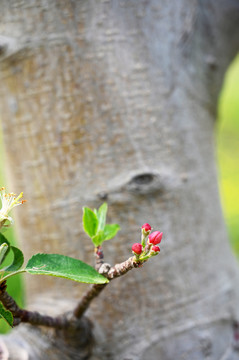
column 149, row 244
column 9, row 201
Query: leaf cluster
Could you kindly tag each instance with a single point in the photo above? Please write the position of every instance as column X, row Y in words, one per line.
column 94, row 224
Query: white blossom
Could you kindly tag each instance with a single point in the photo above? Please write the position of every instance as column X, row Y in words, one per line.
column 9, row 201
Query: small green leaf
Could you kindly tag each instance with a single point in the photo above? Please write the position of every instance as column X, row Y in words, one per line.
column 98, row 238
column 3, row 240
column 3, row 250
column 90, row 221
column 18, row 260
column 110, row 231
column 65, row 267
column 101, row 215
column 6, row 315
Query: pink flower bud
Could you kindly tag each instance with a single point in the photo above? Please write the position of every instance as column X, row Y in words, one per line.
column 146, row 227
column 137, row 248
column 155, row 248
column 155, row 238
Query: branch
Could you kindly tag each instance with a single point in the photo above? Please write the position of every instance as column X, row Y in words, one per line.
column 109, row 272
column 33, row 318
column 123, row 268
column 99, row 257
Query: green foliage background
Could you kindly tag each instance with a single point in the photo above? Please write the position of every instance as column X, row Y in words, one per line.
column 228, row 151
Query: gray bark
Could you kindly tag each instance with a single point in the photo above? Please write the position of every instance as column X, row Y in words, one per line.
column 116, row 100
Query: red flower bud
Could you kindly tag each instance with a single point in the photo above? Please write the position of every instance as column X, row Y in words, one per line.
column 137, row 248
column 155, row 238
column 155, row 248
column 146, row 227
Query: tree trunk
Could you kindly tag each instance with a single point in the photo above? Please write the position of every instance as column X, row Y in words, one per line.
column 115, row 101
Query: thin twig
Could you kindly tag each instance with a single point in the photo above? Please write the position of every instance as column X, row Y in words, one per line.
column 84, row 303
column 99, row 257
column 123, row 268
column 95, row 290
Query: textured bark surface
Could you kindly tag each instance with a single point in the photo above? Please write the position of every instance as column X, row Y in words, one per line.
column 115, row 100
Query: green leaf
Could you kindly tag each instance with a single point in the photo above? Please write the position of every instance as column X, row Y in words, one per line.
column 18, row 260
column 98, row 238
column 6, row 315
column 3, row 240
column 65, row 267
column 3, row 250
column 110, row 231
column 101, row 215
column 90, row 221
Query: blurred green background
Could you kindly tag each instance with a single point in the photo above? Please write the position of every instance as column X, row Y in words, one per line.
column 227, row 151
column 227, row 142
